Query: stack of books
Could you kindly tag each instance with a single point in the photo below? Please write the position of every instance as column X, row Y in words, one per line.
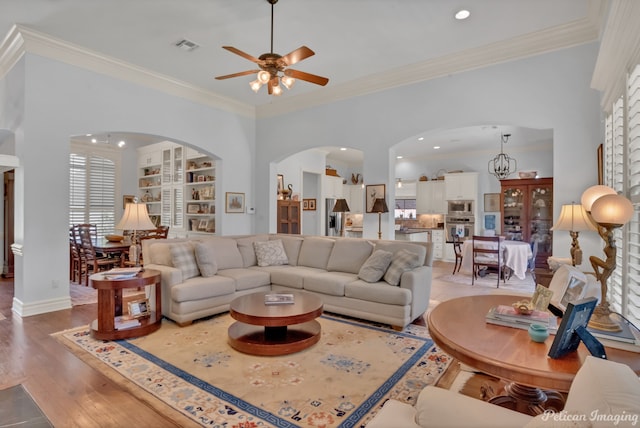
column 123, row 322
column 507, row 316
column 122, row 273
column 278, row 299
column 628, row 339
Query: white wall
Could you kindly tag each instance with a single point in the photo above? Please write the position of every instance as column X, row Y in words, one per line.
column 549, row 91
column 61, row 100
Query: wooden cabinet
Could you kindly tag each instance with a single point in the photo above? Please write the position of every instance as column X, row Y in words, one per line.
column 289, row 217
column 461, row 186
column 430, row 197
column 527, row 213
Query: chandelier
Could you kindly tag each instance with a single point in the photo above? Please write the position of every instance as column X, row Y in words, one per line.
column 502, row 165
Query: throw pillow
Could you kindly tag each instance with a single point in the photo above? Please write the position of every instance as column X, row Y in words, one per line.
column 375, row 266
column 183, row 258
column 402, row 261
column 270, row 253
column 205, row 258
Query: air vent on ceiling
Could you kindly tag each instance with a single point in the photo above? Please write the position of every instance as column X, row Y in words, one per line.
column 187, row 45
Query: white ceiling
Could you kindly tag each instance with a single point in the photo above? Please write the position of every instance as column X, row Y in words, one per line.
column 354, row 40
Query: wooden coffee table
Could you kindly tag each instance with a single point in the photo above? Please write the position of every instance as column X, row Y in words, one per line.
column 274, row 329
column 458, row 327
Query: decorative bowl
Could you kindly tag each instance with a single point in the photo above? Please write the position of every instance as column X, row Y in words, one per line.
column 538, row 332
column 114, row 238
column 527, row 174
column 523, row 307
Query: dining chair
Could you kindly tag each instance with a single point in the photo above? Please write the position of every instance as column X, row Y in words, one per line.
column 457, row 249
column 487, row 253
column 75, row 262
column 86, row 235
column 162, row 232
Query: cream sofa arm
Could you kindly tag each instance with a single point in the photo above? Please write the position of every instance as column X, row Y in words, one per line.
column 394, row 414
column 418, row 281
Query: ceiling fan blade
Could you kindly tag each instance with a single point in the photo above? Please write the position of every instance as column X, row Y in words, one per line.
column 297, row 74
column 298, row 55
column 242, row 54
column 242, row 73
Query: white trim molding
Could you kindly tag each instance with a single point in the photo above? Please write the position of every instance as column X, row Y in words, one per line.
column 41, row 307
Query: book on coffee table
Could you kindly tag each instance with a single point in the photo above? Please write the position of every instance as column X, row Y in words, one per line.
column 278, row 299
column 520, row 322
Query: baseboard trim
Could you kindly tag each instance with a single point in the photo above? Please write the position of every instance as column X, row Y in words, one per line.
column 36, row 308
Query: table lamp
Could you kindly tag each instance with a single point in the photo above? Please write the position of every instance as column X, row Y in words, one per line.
column 379, row 206
column 341, row 206
column 575, row 219
column 609, row 211
column 135, row 218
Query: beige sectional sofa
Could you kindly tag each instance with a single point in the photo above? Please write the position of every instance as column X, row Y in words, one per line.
column 202, row 275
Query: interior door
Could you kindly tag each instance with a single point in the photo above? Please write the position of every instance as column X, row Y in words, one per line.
column 7, row 268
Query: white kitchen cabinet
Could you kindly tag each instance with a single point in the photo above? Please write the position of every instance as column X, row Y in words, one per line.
column 415, row 236
column 332, row 187
column 430, row 197
column 461, row 186
column 355, row 197
column 437, row 237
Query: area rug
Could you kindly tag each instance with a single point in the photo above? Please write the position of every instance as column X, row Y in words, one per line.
column 342, row 381
column 526, row 285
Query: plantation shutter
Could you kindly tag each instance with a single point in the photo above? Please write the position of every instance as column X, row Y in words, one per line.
column 632, row 290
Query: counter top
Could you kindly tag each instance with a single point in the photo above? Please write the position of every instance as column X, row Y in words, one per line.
column 418, row 230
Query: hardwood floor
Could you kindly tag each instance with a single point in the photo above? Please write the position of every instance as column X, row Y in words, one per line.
column 70, row 392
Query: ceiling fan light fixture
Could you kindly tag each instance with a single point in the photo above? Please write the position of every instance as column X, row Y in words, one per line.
column 264, row 76
column 277, row 90
column 288, row 81
column 255, row 85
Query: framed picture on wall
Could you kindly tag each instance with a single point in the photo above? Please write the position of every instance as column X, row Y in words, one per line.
column 373, row 192
column 305, row 204
column 491, row 202
column 280, row 183
column 312, row 204
column 234, row 202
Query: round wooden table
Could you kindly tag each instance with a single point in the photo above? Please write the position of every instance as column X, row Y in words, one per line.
column 274, row 329
column 458, row 327
column 110, row 305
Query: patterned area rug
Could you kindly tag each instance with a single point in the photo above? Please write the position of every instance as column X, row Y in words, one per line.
column 526, row 285
column 341, row 381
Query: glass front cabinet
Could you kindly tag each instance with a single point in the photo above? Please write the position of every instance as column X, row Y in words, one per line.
column 527, row 213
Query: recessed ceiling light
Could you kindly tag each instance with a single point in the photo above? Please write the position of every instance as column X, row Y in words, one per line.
column 343, row 148
column 121, row 143
column 436, row 147
column 420, row 138
column 398, row 157
column 462, row 14
column 93, row 140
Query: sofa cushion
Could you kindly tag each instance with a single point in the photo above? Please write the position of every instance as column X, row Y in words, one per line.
column 315, row 252
column 348, row 255
column 183, row 258
column 292, row 277
column 159, row 254
column 395, row 246
column 205, row 259
column 401, row 262
column 245, row 246
column 225, row 251
column 606, row 388
column 199, row 288
column 380, row 292
column 270, row 253
column 375, row 266
column 332, row 283
column 246, row 279
column 291, row 245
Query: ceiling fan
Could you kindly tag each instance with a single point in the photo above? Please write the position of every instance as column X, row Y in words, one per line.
column 272, row 63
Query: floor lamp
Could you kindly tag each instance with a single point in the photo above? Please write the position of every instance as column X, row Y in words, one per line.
column 135, row 218
column 379, row 206
column 341, row 206
column 574, row 218
column 610, row 212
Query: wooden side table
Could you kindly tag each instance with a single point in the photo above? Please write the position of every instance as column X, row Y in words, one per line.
column 110, row 305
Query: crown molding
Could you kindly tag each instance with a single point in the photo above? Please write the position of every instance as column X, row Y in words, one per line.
column 574, row 33
column 21, row 40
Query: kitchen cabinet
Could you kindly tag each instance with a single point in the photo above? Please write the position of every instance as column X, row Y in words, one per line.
column 437, row 237
column 289, row 216
column 412, row 236
column 355, row 198
column 332, row 187
column 461, row 186
column 430, row 197
column 527, row 213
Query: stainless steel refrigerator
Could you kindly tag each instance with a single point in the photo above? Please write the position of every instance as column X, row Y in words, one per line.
column 333, row 221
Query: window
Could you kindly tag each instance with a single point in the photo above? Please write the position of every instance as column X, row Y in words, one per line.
column 93, row 176
column 405, row 209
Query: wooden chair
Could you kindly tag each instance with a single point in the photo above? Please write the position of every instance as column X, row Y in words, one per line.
column 457, row 249
column 86, row 234
column 487, row 253
column 162, row 232
column 75, row 261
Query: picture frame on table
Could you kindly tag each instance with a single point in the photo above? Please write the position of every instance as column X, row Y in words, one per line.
column 491, row 202
column 202, row 225
column 234, row 202
column 193, row 208
column 541, row 298
column 139, row 308
column 573, row 329
column 567, row 291
column 211, row 226
column 373, row 192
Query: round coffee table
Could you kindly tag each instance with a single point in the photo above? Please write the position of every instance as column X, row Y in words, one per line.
column 274, row 329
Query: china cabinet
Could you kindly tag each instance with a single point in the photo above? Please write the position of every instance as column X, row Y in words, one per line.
column 289, row 216
column 527, row 213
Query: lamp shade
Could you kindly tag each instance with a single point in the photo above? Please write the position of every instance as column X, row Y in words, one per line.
column 612, row 209
column 135, row 217
column 341, row 206
column 574, row 217
column 594, row 192
column 379, row 206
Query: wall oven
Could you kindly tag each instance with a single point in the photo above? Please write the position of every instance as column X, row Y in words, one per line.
column 463, row 226
column 460, row 208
